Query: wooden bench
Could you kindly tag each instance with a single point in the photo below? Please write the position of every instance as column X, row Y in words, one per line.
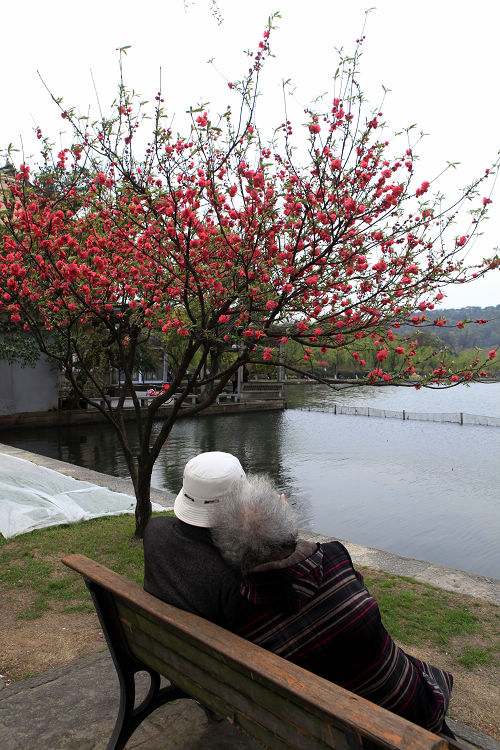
column 277, row 703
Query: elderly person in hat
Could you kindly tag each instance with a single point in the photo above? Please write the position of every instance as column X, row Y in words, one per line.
column 182, row 566
column 235, row 558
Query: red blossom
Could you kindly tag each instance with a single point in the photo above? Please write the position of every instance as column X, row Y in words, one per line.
column 312, row 280
column 422, row 189
column 24, row 171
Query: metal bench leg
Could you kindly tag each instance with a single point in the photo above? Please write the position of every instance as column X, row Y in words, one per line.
column 129, row 718
column 127, row 666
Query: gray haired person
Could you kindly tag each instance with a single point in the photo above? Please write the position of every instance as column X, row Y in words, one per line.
column 255, row 526
column 310, row 605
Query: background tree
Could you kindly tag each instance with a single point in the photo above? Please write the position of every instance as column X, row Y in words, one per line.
column 223, row 242
column 467, row 327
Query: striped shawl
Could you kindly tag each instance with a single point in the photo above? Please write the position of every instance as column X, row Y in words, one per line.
column 318, row 614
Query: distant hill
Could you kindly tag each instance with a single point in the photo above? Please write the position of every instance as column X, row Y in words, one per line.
column 484, row 336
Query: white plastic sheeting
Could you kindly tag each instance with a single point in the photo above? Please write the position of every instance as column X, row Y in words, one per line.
column 33, row 497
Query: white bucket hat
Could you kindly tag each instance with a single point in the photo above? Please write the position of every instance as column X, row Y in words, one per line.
column 207, row 478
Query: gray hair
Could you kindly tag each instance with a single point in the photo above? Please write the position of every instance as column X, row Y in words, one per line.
column 254, row 525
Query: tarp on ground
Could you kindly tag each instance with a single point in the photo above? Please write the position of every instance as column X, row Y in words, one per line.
column 33, row 497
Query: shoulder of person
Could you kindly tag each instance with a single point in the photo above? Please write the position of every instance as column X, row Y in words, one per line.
column 336, row 549
column 159, row 525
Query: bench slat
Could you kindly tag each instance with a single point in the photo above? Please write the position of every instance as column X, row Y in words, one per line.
column 256, row 705
column 244, row 720
column 197, row 654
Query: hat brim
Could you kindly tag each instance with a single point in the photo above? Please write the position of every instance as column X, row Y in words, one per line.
column 193, row 512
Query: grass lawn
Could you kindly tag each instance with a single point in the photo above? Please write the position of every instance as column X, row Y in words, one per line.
column 456, row 632
column 418, row 614
column 32, row 561
column 414, row 613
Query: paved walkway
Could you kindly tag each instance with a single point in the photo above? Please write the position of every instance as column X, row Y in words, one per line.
column 74, row 707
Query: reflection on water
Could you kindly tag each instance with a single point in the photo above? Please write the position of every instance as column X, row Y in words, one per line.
column 256, row 438
column 424, row 490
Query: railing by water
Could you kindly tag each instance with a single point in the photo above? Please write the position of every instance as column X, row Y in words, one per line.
column 370, row 411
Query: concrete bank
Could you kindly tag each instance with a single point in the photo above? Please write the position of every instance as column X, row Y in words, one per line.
column 65, row 417
column 450, row 579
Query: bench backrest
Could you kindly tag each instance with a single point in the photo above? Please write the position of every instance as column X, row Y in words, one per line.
column 274, row 701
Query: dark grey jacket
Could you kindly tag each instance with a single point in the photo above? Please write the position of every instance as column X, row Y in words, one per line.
column 182, row 567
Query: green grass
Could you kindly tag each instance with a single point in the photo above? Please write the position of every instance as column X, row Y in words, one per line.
column 32, row 561
column 417, row 613
column 472, row 657
column 414, row 613
column 84, row 607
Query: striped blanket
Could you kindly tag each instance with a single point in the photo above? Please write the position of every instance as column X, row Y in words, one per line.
column 319, row 614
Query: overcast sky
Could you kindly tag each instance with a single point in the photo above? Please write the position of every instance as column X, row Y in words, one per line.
column 439, row 58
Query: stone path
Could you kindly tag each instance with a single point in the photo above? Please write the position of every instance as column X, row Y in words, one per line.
column 75, row 707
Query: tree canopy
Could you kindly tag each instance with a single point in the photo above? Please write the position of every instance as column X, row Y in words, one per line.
column 220, row 240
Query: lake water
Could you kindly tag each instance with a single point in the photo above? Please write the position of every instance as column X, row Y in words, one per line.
column 425, row 490
column 477, row 398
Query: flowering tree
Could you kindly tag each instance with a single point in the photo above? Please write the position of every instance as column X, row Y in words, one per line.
column 218, row 241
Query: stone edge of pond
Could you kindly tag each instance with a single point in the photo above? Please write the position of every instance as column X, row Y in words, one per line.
column 459, row 581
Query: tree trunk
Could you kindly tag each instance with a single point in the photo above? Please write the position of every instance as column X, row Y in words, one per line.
column 143, row 496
